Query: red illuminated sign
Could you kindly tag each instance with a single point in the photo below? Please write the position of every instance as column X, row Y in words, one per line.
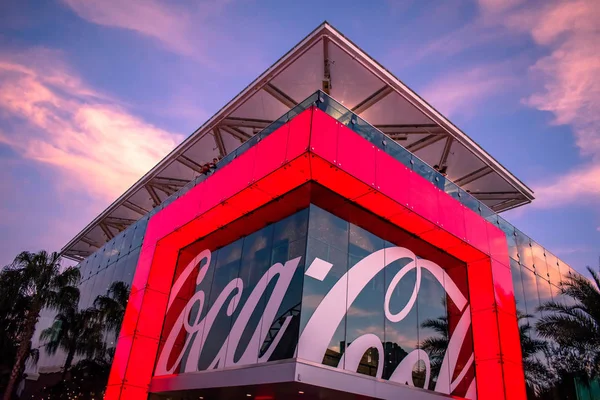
column 315, row 147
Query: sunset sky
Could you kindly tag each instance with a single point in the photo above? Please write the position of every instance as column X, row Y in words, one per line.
column 93, row 93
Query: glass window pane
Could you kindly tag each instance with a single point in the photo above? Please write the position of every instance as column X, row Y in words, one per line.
column 401, row 337
column 433, row 322
column 227, row 268
column 518, row 286
column 365, row 314
column 511, row 238
column 524, row 249
column 539, row 259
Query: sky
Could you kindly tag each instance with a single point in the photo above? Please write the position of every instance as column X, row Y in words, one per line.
column 93, row 93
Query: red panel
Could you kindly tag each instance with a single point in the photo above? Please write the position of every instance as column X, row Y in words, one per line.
column 134, row 393
column 392, row 178
column 379, row 204
column 112, row 392
column 498, row 244
column 249, row 199
column 270, row 154
column 338, row 181
column 510, row 343
column 141, row 362
column 481, row 285
column 287, row 178
column 489, row 378
column 476, row 231
column 451, row 215
column 440, row 238
column 142, row 270
column 299, row 134
column 467, row 253
column 161, row 276
column 132, row 313
column 412, row 222
column 234, row 177
column 423, row 197
column 152, row 315
column 503, row 288
column 323, row 136
column 514, row 380
column 120, row 360
column 485, row 335
column 356, row 156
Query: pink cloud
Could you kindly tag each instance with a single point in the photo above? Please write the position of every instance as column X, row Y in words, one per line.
column 458, row 92
column 182, row 30
column 570, row 89
column 93, row 143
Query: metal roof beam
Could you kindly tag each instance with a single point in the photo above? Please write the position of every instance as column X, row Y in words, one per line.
column 91, row 242
column 135, row 208
column 372, row 99
column 326, row 84
column 411, row 129
column 106, row 231
column 446, row 151
column 191, row 164
column 235, row 132
column 219, row 142
column 426, row 141
column 489, row 196
column 254, row 123
column 472, row 176
column 159, row 180
column 280, row 95
column 153, row 195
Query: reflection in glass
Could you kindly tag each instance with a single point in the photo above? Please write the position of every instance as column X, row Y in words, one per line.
column 433, row 322
column 366, row 315
column 328, row 241
column 401, row 337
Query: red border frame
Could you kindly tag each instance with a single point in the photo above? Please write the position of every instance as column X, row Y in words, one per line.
column 315, row 146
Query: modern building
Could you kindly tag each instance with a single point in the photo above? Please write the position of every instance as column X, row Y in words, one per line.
column 325, row 256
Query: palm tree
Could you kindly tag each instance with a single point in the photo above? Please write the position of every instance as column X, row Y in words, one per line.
column 536, row 373
column 576, row 326
column 112, row 306
column 435, row 346
column 77, row 332
column 38, row 276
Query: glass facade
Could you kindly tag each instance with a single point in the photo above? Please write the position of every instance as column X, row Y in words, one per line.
column 262, row 297
column 116, row 261
column 240, row 281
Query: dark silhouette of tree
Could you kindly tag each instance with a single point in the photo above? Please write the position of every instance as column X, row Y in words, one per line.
column 112, row 306
column 36, row 282
column 537, row 376
column 576, row 326
column 436, row 346
column 76, row 332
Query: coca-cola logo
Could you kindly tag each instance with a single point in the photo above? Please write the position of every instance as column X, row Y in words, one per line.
column 322, row 324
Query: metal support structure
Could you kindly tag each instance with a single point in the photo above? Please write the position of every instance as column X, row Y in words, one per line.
column 426, row 141
column 106, row 231
column 472, row 176
column 372, row 99
column 219, row 142
column 135, row 208
column 446, row 151
column 253, row 123
column 235, row 132
column 280, row 95
column 326, row 85
column 490, row 196
column 153, row 195
column 411, row 129
column 191, row 164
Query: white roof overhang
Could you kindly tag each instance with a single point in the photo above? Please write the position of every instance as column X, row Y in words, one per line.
column 328, row 61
